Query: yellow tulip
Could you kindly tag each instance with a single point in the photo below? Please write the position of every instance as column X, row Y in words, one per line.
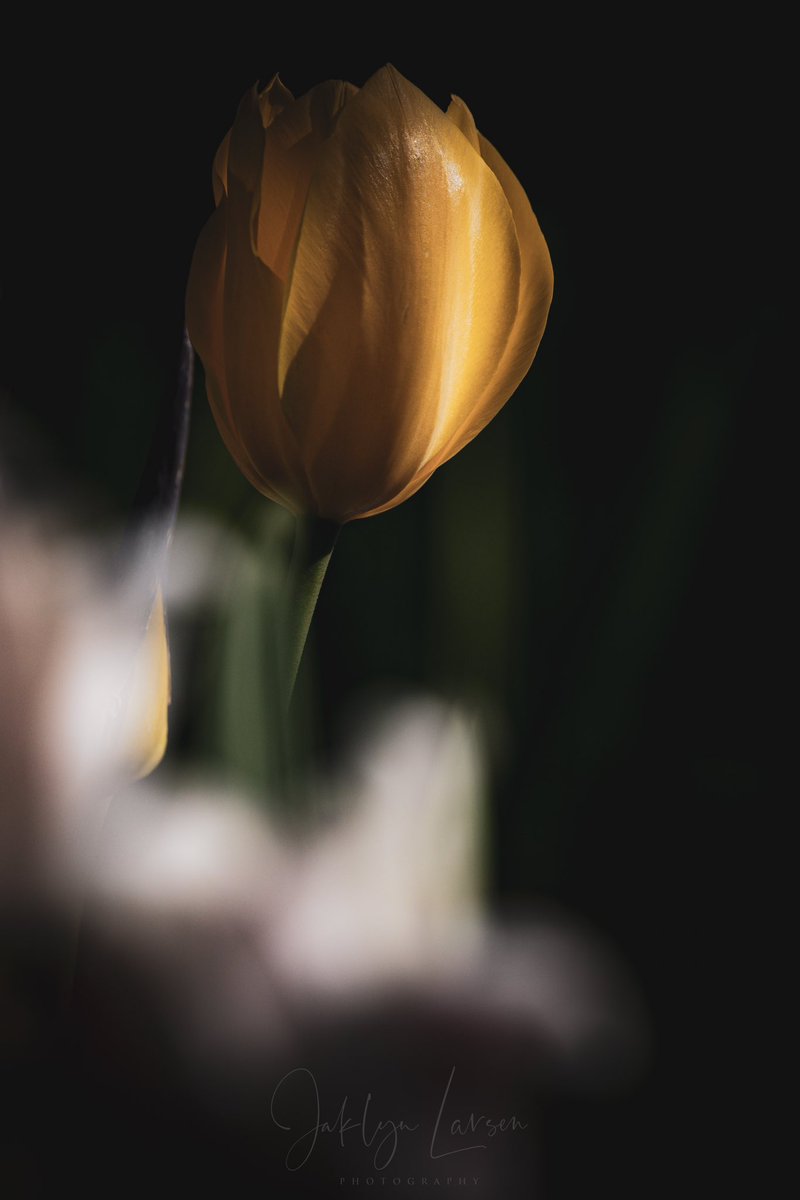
column 369, row 292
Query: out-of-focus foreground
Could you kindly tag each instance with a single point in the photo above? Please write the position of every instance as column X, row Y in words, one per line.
column 195, row 987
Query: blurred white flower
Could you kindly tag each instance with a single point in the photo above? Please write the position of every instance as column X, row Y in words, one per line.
column 382, row 904
column 391, row 891
column 83, row 694
column 219, row 950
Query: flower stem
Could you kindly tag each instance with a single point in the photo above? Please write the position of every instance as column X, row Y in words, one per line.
column 315, row 538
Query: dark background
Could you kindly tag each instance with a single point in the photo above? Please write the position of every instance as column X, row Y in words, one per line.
column 597, row 569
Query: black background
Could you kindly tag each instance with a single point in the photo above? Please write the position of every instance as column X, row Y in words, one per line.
column 641, row 457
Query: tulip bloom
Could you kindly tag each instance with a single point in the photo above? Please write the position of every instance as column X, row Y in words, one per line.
column 369, row 292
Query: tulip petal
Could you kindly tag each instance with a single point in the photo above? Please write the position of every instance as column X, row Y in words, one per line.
column 402, row 297
column 462, row 118
column 251, row 317
column 292, row 145
column 245, row 149
column 536, row 290
column 205, row 292
column 204, row 304
column 535, row 296
column 536, row 284
column 235, row 351
column 219, row 171
column 274, row 98
column 204, row 299
column 233, row 314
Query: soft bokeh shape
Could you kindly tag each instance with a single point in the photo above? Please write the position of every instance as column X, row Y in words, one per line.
column 84, row 695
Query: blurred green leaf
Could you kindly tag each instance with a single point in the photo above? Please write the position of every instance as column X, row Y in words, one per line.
column 246, row 716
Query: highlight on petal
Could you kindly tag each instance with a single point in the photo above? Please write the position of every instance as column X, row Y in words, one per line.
column 535, row 296
column 462, row 118
column 402, row 297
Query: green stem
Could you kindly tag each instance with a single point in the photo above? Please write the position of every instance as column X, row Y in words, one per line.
column 315, row 538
